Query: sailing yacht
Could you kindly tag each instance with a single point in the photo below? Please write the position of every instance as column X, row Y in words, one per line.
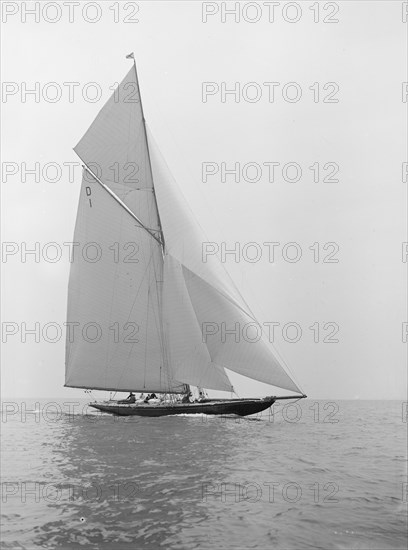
column 142, row 293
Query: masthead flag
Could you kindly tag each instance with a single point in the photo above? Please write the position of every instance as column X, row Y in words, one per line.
column 130, row 56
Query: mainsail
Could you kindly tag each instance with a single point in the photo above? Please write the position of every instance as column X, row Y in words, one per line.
column 139, row 299
column 114, row 302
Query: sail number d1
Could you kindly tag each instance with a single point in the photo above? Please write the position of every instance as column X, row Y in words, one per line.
column 88, row 192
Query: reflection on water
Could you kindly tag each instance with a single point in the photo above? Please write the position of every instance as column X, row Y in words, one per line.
column 202, row 482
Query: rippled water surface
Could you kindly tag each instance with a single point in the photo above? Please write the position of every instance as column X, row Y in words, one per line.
column 321, row 475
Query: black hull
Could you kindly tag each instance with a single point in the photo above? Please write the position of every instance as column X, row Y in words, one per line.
column 240, row 407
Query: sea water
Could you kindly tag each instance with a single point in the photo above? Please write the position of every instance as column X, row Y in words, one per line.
column 313, row 475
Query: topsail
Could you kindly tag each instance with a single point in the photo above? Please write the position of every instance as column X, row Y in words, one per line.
column 141, row 301
column 115, row 149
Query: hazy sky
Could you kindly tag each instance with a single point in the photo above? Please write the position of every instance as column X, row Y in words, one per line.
column 363, row 133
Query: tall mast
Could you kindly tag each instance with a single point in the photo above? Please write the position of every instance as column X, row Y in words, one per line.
column 132, row 56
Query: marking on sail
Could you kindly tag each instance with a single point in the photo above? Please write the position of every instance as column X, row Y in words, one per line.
column 117, row 199
column 88, row 194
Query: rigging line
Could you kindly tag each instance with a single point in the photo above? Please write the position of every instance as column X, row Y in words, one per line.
column 276, row 352
column 148, row 156
column 119, row 201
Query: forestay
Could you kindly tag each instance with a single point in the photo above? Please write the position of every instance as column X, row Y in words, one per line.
column 211, row 292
